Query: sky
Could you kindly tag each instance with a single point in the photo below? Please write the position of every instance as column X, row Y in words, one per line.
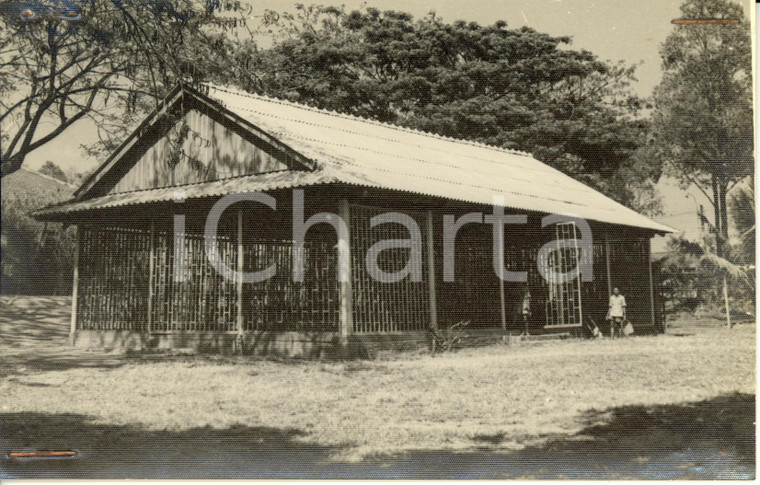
column 626, row 30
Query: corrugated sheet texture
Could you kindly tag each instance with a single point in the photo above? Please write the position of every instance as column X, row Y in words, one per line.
column 249, row 183
column 362, row 152
column 373, row 154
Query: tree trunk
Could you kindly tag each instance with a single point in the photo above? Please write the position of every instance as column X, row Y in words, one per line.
column 723, row 210
column 722, row 236
column 716, row 206
column 11, row 165
column 721, row 232
column 725, row 298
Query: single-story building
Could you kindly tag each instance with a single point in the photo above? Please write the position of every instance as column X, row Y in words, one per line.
column 231, row 220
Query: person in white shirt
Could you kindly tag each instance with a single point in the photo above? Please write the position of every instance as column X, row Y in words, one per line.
column 616, row 313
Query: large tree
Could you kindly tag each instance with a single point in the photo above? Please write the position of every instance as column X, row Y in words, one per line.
column 106, row 60
column 702, row 122
column 703, row 114
column 516, row 88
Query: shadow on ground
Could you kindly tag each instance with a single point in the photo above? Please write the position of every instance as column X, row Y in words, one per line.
column 712, row 439
column 58, row 359
column 31, row 321
column 704, row 440
column 33, row 336
column 132, row 452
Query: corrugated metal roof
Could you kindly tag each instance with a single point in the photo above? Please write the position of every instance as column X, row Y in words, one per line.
column 238, row 185
column 363, row 152
column 374, row 154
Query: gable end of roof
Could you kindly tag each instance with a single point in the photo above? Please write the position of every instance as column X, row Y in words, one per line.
column 184, row 98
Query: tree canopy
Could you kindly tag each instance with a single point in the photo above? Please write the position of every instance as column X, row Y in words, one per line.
column 702, row 123
column 515, row 88
column 106, row 60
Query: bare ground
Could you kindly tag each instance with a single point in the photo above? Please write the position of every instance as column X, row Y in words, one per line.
column 680, row 405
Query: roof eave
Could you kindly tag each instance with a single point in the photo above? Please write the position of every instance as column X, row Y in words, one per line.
column 49, row 213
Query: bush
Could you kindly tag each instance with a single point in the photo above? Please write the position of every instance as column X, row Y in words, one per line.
column 449, row 338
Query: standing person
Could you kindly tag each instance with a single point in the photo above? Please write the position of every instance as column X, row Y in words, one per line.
column 526, row 313
column 616, row 312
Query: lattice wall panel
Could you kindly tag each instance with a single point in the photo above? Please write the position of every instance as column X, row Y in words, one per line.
column 113, row 279
column 384, row 306
column 201, row 298
column 190, row 294
column 281, row 304
column 564, row 302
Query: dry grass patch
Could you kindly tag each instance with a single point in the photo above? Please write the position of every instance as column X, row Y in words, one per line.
column 498, row 397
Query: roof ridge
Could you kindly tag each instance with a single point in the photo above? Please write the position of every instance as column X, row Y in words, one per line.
column 463, row 141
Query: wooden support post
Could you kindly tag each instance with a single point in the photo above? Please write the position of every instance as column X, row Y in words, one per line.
column 240, row 267
column 607, row 261
column 346, row 325
column 151, row 274
column 502, row 296
column 75, row 290
column 651, row 281
column 431, row 271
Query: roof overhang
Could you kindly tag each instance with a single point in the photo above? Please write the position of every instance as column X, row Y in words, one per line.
column 74, row 211
column 287, row 179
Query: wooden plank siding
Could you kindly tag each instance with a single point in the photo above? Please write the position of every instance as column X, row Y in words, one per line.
column 209, row 151
column 217, row 131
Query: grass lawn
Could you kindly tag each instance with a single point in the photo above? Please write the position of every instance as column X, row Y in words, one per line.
column 682, row 401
